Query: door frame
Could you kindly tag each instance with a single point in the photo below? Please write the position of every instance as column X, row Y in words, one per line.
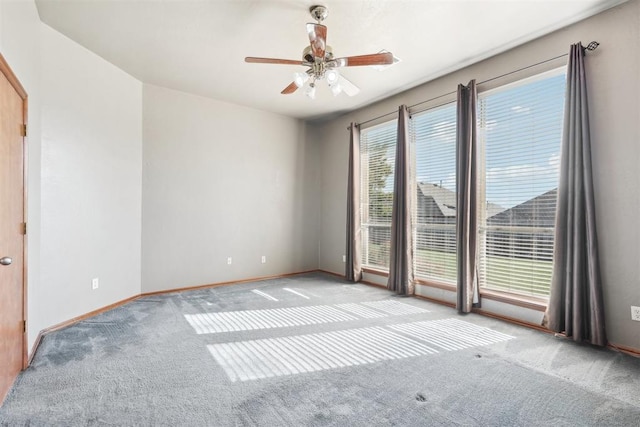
column 15, row 83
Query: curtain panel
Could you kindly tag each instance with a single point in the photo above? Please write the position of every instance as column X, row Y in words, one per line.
column 353, row 268
column 576, row 306
column 401, row 248
column 467, row 181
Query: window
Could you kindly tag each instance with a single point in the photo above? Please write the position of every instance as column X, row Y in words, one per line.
column 434, row 142
column 520, row 131
column 377, row 157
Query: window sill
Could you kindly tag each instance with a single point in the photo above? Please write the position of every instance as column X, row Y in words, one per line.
column 439, row 285
column 375, row 271
column 533, row 303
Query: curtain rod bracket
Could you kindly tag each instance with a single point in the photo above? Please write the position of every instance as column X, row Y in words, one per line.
column 591, row 46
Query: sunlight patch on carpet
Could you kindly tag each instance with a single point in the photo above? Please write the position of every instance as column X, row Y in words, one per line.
column 264, row 358
column 264, row 295
column 273, row 357
column 295, row 292
column 246, row 320
column 395, row 307
column 451, row 334
column 361, row 310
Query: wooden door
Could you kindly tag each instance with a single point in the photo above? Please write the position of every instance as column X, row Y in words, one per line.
column 12, row 228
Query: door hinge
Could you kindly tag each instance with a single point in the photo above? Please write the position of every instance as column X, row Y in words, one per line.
column 23, row 130
column 24, row 228
column 24, row 326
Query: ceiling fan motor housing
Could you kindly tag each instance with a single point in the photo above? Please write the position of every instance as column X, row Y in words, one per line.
column 307, row 54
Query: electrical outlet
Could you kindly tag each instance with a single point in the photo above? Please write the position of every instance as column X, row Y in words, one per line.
column 344, row 258
column 95, row 283
column 264, row 259
column 228, row 260
column 635, row 313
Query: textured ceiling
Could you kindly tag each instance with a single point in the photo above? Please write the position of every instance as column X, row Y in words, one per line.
column 199, row 46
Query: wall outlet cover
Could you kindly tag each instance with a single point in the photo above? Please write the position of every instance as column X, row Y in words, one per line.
column 635, row 313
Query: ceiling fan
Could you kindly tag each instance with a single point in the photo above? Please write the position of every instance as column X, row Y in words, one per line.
column 318, row 56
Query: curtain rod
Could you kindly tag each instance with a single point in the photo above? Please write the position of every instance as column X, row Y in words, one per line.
column 591, row 46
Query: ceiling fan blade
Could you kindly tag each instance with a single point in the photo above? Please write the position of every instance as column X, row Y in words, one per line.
column 348, row 87
column 372, row 59
column 255, row 60
column 290, row 89
column 318, row 38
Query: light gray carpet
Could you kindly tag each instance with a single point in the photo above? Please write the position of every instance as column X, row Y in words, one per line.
column 313, row 350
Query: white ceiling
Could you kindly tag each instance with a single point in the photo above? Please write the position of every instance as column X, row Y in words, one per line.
column 199, row 46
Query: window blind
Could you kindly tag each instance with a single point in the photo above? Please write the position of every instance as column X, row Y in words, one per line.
column 377, row 157
column 434, row 143
column 520, row 131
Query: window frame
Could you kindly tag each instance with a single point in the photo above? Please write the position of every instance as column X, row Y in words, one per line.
column 535, row 302
column 365, row 220
column 432, row 281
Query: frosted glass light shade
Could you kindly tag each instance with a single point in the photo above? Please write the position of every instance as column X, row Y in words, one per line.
column 332, row 77
column 311, row 91
column 300, row 78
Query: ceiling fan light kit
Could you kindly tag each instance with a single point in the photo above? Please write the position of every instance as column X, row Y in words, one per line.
column 332, row 76
column 319, row 59
column 310, row 91
column 300, row 78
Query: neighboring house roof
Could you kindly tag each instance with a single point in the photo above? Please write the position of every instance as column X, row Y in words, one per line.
column 445, row 199
column 537, row 212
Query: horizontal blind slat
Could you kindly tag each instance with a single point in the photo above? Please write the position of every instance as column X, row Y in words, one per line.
column 520, row 129
column 434, row 142
column 377, row 159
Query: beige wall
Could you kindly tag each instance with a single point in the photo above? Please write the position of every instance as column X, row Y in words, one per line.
column 615, row 123
column 84, row 170
column 220, row 180
column 91, row 181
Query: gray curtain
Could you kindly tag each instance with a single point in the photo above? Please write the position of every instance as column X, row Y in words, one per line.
column 575, row 302
column 353, row 269
column 466, row 218
column 401, row 256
